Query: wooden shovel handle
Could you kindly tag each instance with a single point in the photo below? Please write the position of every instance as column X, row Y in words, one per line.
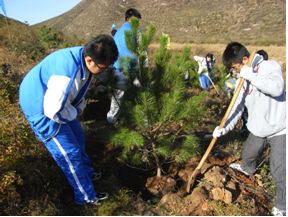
column 233, row 100
column 213, row 141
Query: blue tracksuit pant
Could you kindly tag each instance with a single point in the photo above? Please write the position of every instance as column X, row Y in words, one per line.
column 204, row 82
column 68, row 150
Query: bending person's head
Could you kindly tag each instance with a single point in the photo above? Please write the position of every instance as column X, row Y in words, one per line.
column 235, row 55
column 263, row 53
column 100, row 53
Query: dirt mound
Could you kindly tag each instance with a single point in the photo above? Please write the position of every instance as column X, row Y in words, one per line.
column 217, row 186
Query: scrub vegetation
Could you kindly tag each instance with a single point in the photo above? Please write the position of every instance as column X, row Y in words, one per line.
column 32, row 184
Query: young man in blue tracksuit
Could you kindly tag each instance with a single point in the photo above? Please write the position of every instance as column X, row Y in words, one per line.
column 125, row 57
column 52, row 96
column 264, row 96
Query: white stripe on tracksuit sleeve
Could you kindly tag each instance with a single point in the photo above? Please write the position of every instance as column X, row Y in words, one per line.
column 53, row 99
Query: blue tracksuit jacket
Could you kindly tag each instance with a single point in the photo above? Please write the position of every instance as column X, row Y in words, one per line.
column 48, row 96
column 123, row 50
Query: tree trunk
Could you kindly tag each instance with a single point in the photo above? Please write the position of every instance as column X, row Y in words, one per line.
column 157, row 160
column 158, row 172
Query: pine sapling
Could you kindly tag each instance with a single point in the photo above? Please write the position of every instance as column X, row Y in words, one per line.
column 156, row 119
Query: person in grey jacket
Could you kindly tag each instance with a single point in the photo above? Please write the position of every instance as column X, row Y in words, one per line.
column 264, row 96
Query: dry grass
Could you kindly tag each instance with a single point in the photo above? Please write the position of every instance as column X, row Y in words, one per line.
column 275, row 52
column 17, row 62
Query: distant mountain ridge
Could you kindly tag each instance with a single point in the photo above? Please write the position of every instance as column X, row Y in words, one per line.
column 186, row 21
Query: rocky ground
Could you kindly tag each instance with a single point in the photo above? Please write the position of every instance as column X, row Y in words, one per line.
column 218, row 190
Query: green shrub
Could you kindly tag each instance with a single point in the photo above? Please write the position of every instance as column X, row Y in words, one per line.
column 156, row 118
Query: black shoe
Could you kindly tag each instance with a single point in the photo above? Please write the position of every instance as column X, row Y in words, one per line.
column 100, row 196
column 96, row 201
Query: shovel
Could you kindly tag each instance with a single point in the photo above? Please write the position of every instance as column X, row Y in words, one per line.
column 213, row 85
column 196, row 172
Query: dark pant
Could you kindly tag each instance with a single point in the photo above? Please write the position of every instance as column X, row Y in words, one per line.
column 254, row 147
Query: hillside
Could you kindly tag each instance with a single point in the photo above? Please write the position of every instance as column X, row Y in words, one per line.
column 189, row 21
column 32, row 184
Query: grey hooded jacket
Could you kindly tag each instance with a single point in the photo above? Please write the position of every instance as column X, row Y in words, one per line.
column 264, row 95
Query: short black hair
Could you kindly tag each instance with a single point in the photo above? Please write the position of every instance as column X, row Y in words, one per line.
column 234, row 53
column 132, row 12
column 102, row 49
column 263, row 53
column 211, row 56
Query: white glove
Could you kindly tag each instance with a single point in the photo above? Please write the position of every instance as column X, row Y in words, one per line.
column 110, row 118
column 246, row 72
column 186, row 76
column 219, row 132
column 116, row 102
column 136, row 82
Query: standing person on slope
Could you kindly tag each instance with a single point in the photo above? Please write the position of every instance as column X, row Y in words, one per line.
column 264, row 96
column 126, row 59
column 52, row 96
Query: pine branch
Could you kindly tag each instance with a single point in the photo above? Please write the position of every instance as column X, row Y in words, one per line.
column 159, row 112
column 128, row 138
column 147, row 37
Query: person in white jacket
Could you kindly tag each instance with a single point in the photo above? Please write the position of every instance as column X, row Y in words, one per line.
column 205, row 70
column 264, row 96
